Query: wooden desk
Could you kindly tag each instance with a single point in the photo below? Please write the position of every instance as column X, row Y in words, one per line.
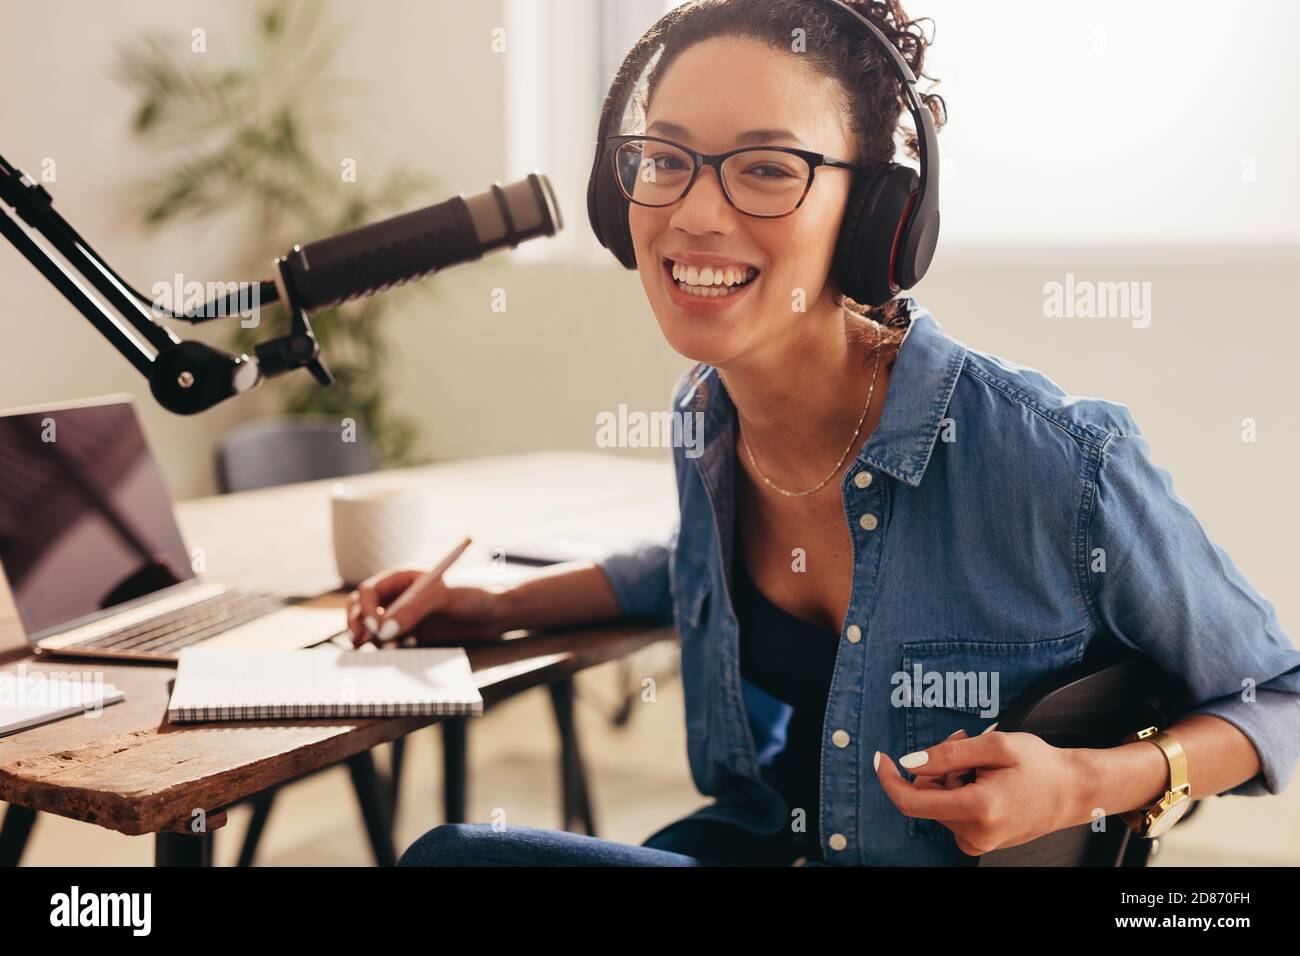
column 131, row 771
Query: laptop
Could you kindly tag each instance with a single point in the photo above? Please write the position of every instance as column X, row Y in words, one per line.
column 94, row 559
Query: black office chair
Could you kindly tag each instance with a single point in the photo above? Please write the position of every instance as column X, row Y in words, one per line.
column 281, row 451
column 1110, row 694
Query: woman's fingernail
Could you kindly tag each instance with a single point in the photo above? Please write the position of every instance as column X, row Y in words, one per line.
column 913, row 760
column 988, row 728
column 875, row 761
column 371, row 624
column 953, row 734
column 389, row 630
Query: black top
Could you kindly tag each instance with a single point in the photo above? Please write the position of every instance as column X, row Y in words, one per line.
column 793, row 660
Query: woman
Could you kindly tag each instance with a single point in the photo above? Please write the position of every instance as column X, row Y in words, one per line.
column 899, row 514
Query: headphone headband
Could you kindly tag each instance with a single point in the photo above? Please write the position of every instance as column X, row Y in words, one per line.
column 925, row 132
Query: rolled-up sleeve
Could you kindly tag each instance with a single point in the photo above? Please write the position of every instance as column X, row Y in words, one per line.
column 1162, row 587
column 640, row 579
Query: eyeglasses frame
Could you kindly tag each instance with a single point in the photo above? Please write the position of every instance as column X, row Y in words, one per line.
column 814, row 159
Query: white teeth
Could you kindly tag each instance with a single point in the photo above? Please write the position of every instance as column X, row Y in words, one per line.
column 706, row 292
column 710, row 277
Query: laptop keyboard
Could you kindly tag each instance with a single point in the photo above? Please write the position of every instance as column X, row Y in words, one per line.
column 191, row 624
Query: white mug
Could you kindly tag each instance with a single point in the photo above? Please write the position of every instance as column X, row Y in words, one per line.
column 378, row 528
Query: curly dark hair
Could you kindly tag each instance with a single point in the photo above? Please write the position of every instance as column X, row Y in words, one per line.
column 870, row 97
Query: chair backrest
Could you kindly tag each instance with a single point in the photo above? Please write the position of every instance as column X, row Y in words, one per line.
column 280, row 451
column 1095, row 704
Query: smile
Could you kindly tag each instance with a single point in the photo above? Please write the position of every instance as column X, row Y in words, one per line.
column 710, row 281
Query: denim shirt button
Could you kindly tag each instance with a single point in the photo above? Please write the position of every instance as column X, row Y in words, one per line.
column 868, row 521
column 854, row 633
column 837, row 841
column 840, row 738
column 862, row 479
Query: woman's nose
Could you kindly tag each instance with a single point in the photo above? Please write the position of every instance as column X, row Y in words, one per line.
column 704, row 208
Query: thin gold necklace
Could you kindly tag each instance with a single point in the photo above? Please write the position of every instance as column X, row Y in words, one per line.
column 857, row 431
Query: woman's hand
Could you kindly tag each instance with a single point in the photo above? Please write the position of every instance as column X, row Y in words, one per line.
column 432, row 611
column 995, row 790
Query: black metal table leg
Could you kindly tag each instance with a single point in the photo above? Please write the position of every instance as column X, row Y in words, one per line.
column 183, row 849
column 577, row 803
column 262, row 804
column 14, row 834
column 373, row 797
column 398, row 753
column 455, row 751
column 629, row 691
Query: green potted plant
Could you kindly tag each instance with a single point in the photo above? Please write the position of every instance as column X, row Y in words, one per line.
column 233, row 135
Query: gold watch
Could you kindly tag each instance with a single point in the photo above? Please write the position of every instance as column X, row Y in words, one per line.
column 1156, row 819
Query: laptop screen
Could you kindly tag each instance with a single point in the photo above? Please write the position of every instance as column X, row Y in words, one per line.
column 85, row 521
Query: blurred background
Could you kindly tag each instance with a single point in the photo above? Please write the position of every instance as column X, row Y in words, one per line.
column 1109, row 141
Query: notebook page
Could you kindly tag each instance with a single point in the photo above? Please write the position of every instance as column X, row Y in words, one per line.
column 217, row 683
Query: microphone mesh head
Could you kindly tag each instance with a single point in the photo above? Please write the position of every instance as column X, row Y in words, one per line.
column 531, row 206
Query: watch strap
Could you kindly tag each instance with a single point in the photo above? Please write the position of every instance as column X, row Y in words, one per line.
column 1140, row 820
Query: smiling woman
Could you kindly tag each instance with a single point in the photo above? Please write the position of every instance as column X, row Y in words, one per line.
column 872, row 498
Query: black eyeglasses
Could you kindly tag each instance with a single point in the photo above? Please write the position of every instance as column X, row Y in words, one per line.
column 764, row 181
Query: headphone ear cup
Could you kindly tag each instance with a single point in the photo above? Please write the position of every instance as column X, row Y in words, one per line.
column 593, row 200
column 621, row 240
column 607, row 210
column 873, row 219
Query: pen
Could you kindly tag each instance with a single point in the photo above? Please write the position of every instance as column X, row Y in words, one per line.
column 392, row 625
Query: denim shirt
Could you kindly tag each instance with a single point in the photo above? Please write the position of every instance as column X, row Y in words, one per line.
column 999, row 526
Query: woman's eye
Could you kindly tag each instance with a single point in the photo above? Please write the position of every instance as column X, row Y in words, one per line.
column 772, row 172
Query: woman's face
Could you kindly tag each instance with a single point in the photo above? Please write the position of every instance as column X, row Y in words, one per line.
column 708, row 97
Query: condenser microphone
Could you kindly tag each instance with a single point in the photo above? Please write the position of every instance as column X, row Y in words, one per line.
column 367, row 260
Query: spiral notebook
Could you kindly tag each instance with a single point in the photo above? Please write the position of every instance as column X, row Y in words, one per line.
column 326, row 682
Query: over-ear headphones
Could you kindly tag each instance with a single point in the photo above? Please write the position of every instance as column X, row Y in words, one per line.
column 891, row 221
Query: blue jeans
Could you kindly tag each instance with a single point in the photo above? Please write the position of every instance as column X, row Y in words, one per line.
column 688, row 842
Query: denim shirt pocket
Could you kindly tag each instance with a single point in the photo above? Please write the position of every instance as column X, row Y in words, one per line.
column 980, row 680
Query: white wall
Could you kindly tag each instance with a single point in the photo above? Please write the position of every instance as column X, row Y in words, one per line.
column 579, row 338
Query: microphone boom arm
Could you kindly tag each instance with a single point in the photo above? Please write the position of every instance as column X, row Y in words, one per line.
column 185, row 376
